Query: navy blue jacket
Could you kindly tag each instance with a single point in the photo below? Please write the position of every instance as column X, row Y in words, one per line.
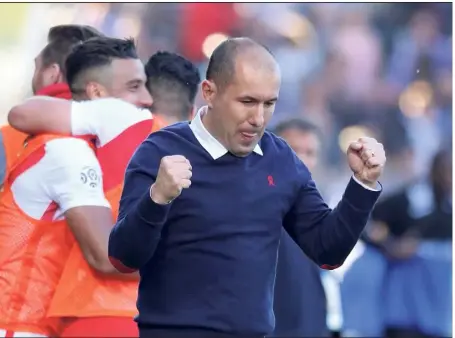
column 300, row 303
column 208, row 259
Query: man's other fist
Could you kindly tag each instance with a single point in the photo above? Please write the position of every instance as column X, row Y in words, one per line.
column 174, row 175
column 366, row 157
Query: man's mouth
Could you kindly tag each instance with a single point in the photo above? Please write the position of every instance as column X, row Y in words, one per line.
column 249, row 136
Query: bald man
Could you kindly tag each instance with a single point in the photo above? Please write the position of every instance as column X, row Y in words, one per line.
column 204, row 203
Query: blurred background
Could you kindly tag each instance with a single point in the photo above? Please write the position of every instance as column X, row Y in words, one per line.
column 381, row 70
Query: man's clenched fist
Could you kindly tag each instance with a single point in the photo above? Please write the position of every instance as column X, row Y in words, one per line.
column 366, row 157
column 174, row 175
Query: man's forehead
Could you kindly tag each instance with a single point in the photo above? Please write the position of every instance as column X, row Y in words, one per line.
column 250, row 71
column 260, row 84
column 257, row 59
column 246, row 66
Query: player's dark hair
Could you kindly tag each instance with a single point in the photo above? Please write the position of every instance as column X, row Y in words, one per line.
column 61, row 39
column 173, row 83
column 300, row 124
column 94, row 53
column 221, row 67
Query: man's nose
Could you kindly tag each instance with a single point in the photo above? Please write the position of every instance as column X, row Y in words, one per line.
column 145, row 100
column 257, row 116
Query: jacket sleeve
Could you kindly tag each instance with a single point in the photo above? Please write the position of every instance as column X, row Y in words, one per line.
column 328, row 236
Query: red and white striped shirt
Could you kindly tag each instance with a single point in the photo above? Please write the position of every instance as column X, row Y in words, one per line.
column 67, row 173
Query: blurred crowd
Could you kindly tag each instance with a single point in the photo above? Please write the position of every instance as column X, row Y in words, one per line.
column 381, row 70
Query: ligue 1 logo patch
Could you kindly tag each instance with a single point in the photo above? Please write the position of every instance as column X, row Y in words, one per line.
column 90, row 176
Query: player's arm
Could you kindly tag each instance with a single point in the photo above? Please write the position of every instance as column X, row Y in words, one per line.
column 136, row 235
column 74, row 181
column 41, row 114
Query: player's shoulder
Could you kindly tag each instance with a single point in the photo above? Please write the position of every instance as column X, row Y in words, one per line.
column 68, row 149
column 60, row 157
column 108, row 118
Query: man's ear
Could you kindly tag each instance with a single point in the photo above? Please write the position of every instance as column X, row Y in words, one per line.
column 209, row 90
column 53, row 74
column 95, row 90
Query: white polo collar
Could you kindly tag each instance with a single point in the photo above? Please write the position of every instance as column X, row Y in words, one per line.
column 207, row 141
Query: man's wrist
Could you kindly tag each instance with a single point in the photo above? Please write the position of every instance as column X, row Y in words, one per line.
column 152, row 212
column 371, row 185
column 156, row 197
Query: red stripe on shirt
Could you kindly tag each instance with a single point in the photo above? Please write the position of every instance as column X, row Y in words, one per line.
column 115, row 155
column 30, row 161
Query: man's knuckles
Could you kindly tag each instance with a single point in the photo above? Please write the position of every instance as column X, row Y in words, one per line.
column 177, row 176
column 173, row 167
column 173, row 159
column 179, row 171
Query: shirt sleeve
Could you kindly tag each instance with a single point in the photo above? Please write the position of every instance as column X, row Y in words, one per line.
column 73, row 178
column 364, row 185
column 327, row 236
column 136, row 234
column 104, row 118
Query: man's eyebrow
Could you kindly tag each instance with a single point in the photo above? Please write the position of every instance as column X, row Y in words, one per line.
column 252, row 98
column 248, row 97
column 135, row 81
